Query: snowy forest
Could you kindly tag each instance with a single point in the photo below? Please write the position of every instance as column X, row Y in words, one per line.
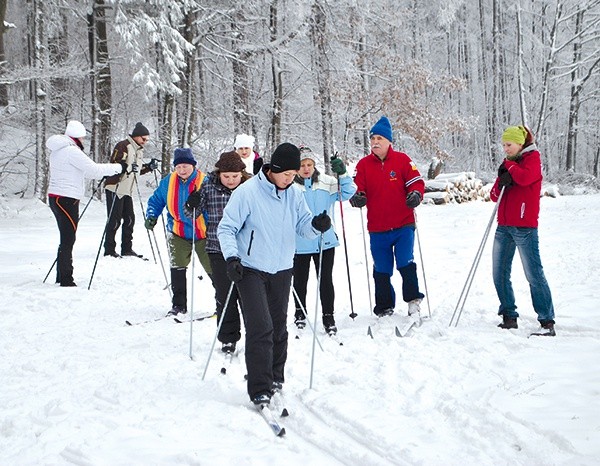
column 450, row 76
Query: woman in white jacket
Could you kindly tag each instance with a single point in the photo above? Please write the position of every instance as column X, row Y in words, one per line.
column 69, row 167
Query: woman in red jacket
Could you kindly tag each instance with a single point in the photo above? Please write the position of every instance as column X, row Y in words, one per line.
column 520, row 175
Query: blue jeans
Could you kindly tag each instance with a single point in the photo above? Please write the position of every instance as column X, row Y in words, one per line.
column 506, row 240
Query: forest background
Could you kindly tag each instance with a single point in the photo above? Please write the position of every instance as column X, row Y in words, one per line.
column 449, row 74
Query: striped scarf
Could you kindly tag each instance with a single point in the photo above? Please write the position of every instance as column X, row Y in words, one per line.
column 177, row 195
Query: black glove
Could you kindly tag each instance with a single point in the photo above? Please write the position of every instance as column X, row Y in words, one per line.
column 413, row 199
column 321, row 222
column 123, row 167
column 338, row 166
column 502, row 169
column 152, row 165
column 235, row 269
column 358, row 200
column 150, row 223
column 135, row 168
column 193, row 200
column 505, row 180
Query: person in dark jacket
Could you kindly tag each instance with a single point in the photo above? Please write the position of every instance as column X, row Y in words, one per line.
column 391, row 187
column 210, row 200
column 119, row 190
column 520, row 181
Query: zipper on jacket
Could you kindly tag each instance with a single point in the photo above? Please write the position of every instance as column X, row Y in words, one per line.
column 523, row 210
column 250, row 243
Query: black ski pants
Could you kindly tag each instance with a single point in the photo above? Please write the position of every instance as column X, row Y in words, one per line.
column 117, row 210
column 327, row 293
column 265, row 300
column 230, row 329
column 66, row 212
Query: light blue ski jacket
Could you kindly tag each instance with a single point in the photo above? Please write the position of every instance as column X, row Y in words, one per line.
column 322, row 195
column 260, row 223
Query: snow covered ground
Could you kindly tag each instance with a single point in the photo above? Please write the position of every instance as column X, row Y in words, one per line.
column 78, row 386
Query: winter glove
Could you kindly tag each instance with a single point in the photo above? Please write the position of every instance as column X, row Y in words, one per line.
column 505, row 180
column 321, row 222
column 193, row 200
column 123, row 167
column 338, row 166
column 150, row 223
column 502, row 169
column 135, row 168
column 358, row 200
column 235, row 269
column 152, row 165
column 413, row 199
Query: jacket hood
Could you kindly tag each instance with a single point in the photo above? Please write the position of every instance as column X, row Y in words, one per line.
column 59, row 141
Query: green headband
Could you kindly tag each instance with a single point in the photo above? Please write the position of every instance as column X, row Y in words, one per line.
column 514, row 134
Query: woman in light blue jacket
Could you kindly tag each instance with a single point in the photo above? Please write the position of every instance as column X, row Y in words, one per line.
column 321, row 193
column 257, row 237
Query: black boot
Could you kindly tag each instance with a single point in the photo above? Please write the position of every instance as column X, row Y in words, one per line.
column 508, row 322
column 178, row 286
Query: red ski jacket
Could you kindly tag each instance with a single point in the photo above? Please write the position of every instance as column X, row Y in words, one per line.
column 386, row 184
column 520, row 203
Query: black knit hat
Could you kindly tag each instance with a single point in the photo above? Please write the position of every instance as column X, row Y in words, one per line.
column 230, row 162
column 286, row 157
column 139, row 130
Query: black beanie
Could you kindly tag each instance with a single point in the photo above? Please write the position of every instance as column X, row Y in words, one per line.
column 139, row 130
column 286, row 157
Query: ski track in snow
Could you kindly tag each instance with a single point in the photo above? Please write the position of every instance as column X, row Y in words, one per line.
column 80, row 387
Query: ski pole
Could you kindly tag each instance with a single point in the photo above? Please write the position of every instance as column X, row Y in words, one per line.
column 422, row 265
column 312, row 359
column 352, row 313
column 218, row 329
column 362, row 223
column 193, row 281
column 112, row 206
column 466, row 288
column 78, row 220
column 306, row 316
column 137, row 186
column 164, row 228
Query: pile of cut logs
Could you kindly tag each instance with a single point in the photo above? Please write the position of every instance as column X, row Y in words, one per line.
column 456, row 187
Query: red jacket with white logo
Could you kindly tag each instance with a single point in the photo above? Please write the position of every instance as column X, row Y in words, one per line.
column 520, row 203
column 386, row 184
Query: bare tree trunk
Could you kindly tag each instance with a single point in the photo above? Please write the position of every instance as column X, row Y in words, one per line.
column 40, row 60
column 188, row 83
column 3, row 29
column 483, row 71
column 166, row 131
column 574, row 101
column 318, row 35
column 100, row 147
column 241, row 82
column 523, row 103
column 496, row 91
column 539, row 127
column 276, row 72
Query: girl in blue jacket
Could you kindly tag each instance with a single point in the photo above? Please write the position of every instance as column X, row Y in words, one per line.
column 321, row 193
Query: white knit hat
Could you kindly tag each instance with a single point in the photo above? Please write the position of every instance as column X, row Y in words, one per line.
column 75, row 129
column 244, row 140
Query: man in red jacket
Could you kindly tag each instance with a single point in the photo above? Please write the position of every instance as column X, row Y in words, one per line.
column 520, row 176
column 390, row 186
